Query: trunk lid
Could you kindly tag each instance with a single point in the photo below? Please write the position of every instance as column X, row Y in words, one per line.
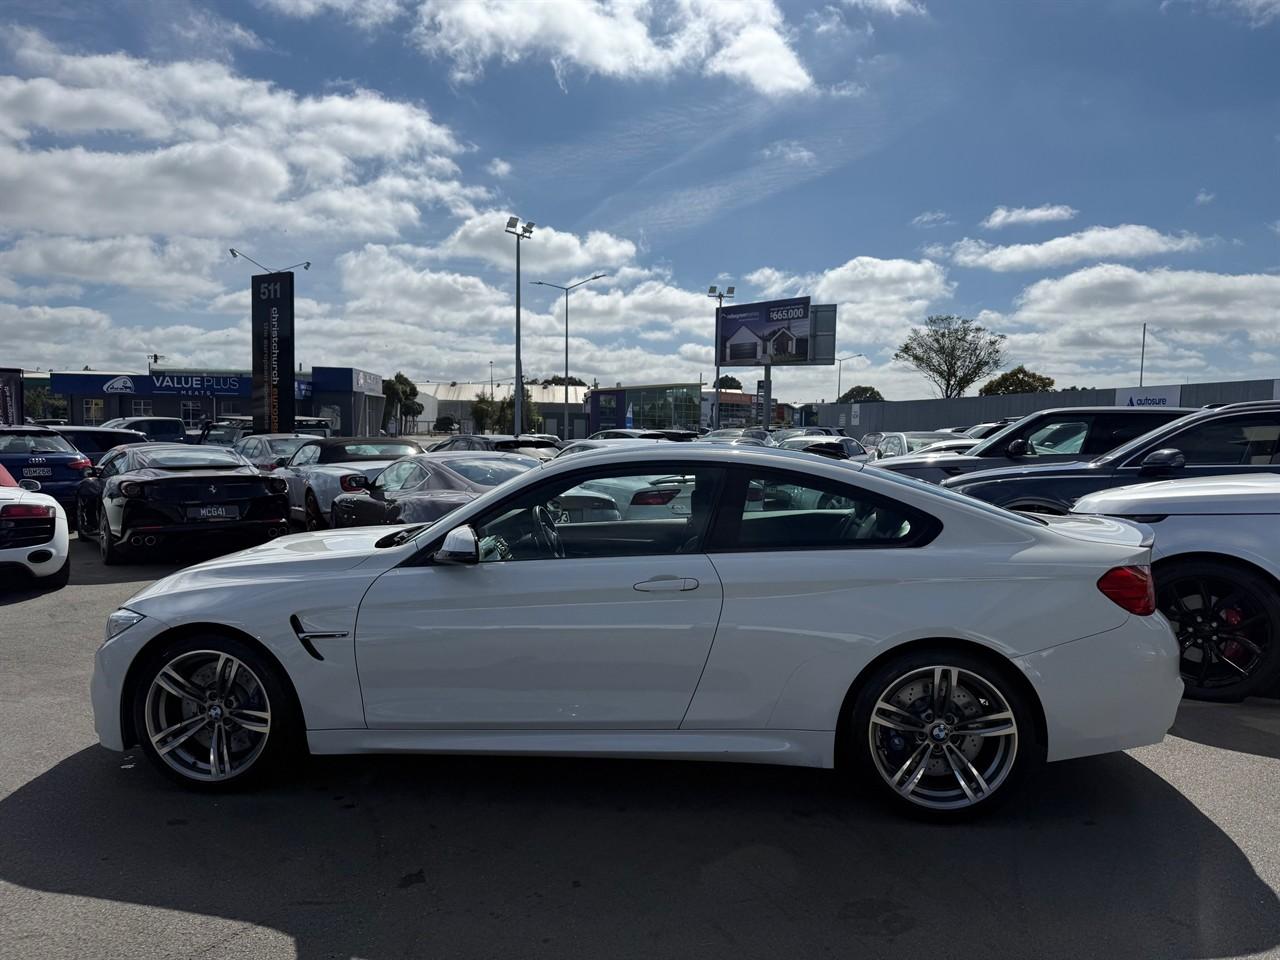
column 1108, row 530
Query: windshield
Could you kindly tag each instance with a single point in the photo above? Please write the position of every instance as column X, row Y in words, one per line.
column 490, row 473
column 921, row 440
column 223, row 434
column 285, row 446
column 192, row 458
column 34, row 443
column 371, row 449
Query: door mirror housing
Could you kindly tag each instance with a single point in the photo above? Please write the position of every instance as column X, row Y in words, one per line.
column 31, row 485
column 1017, row 448
column 90, row 472
column 279, row 461
column 460, row 547
column 1159, row 462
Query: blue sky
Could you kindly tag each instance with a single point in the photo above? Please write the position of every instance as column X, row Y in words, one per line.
column 1064, row 171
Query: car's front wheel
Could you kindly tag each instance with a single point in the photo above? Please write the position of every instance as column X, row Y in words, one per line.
column 211, row 712
column 943, row 733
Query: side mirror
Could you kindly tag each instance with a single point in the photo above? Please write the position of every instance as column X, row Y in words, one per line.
column 279, row 461
column 90, row 472
column 460, row 547
column 1159, row 462
column 1017, row 448
column 32, row 485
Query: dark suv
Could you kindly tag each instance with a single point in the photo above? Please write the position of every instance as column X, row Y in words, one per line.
column 1237, row 438
column 1050, row 436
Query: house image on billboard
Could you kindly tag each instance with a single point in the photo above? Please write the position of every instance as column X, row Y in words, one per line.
column 753, row 343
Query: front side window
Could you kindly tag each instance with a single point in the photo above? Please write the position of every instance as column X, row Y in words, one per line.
column 1058, row 436
column 612, row 512
column 490, row 473
column 1230, row 441
column 790, row 511
column 305, row 455
column 394, row 477
column 891, row 446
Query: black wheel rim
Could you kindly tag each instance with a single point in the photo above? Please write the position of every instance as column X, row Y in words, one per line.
column 1224, row 630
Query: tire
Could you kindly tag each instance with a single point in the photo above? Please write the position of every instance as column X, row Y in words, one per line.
column 950, row 767
column 111, row 554
column 59, row 579
column 314, row 518
column 1240, row 634
column 83, row 527
column 254, row 720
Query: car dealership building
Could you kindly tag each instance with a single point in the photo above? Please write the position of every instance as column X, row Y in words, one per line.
column 349, row 398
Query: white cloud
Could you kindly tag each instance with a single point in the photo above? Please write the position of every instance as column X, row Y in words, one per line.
column 365, row 13
column 746, row 41
column 1275, row 226
column 894, row 8
column 1204, row 197
column 483, row 237
column 499, row 168
column 1047, row 213
column 171, row 271
column 847, row 89
column 791, row 151
column 930, row 219
column 1096, row 243
column 1259, row 13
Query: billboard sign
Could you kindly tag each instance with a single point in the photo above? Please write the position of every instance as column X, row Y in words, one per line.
column 272, row 332
column 1170, row 396
column 775, row 332
column 11, row 408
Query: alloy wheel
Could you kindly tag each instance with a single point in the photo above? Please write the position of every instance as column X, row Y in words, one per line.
column 1223, row 629
column 207, row 715
column 943, row 737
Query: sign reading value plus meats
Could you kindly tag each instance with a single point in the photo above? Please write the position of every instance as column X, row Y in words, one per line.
column 11, row 413
column 273, row 388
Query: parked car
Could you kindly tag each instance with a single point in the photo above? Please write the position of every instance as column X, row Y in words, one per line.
column 163, row 429
column 94, row 442
column 34, row 534
column 424, row 487
column 628, row 434
column 777, row 436
column 942, row 648
column 1239, row 438
column 50, row 421
column 959, row 445
column 898, row 443
column 1217, row 571
column 265, row 450
column 225, row 431
column 1050, row 436
column 501, row 443
column 141, row 496
column 313, row 426
column 679, row 435
column 321, row 468
column 44, row 455
column 736, row 433
column 582, row 446
column 980, row 431
column 837, row 448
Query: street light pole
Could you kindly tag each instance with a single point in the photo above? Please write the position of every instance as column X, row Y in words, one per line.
column 564, row 428
column 520, row 233
column 719, row 296
column 1142, row 360
column 840, row 371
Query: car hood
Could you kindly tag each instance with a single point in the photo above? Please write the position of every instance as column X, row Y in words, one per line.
column 941, row 460
column 302, row 555
column 1207, row 495
column 1069, row 469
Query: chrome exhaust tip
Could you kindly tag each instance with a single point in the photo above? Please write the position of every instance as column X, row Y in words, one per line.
column 150, row 541
column 135, row 541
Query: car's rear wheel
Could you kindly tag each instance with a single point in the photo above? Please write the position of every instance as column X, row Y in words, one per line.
column 944, row 734
column 211, row 712
column 1227, row 620
column 84, row 520
column 107, row 549
column 315, row 519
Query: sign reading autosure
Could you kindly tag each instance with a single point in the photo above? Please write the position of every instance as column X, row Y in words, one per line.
column 272, row 331
column 775, row 332
column 1170, row 396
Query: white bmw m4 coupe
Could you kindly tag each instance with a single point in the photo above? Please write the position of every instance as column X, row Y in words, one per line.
column 804, row 612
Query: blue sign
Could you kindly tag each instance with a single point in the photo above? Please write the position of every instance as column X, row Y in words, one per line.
column 631, row 420
column 151, row 384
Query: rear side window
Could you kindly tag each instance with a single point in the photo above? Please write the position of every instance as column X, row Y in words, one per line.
column 1230, row 441
column 780, row 510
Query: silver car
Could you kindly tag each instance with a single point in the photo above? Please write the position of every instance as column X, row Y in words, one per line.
column 322, row 468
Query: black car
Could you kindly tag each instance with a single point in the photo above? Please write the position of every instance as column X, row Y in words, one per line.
column 44, row 455
column 160, row 429
column 425, row 487
column 143, row 495
column 1049, row 436
column 500, row 443
column 1236, row 438
column 94, row 442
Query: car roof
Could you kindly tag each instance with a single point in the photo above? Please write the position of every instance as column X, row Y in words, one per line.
column 28, row 428
column 85, row 428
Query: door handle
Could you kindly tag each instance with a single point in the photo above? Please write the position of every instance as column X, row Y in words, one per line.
column 667, row 584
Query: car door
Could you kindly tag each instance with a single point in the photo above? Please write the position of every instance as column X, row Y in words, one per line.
column 812, row 570
column 112, row 505
column 89, row 492
column 294, row 474
column 610, row 632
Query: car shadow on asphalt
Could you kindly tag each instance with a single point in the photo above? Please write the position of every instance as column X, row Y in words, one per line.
column 413, row 856
column 1249, row 727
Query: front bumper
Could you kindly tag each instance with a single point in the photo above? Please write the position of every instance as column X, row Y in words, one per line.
column 1112, row 691
column 106, row 687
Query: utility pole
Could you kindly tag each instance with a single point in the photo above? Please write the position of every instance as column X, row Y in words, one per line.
column 1142, row 359
column 520, row 233
column 719, row 296
column 564, row 429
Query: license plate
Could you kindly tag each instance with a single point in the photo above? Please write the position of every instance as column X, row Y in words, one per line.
column 37, row 471
column 214, row 511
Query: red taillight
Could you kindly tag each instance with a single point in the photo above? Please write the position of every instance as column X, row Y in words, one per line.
column 654, row 498
column 1130, row 588
column 352, row 483
column 19, row 511
column 80, row 463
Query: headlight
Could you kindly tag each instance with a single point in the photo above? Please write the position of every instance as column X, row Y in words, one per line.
column 121, row 621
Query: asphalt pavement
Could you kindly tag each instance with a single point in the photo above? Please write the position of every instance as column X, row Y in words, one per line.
column 1168, row 851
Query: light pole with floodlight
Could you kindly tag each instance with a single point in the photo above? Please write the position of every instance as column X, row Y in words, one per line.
column 520, row 233
column 564, row 428
column 840, row 371
column 720, row 296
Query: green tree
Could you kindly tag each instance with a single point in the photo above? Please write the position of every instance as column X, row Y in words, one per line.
column 443, row 424
column 727, row 382
column 484, row 412
column 1017, row 380
column 528, row 410
column 37, row 401
column 557, row 380
column 953, row 353
column 860, row 394
column 409, row 405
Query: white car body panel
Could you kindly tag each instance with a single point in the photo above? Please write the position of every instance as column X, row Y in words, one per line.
column 564, row 656
column 58, row 546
